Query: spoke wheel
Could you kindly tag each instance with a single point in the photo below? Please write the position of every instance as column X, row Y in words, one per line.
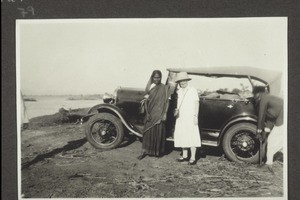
column 104, row 131
column 240, row 143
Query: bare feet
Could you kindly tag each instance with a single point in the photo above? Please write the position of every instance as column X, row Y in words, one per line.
column 266, row 166
column 270, row 168
column 143, row 155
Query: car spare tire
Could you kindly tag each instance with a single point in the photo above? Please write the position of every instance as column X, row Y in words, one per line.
column 104, row 131
column 240, row 143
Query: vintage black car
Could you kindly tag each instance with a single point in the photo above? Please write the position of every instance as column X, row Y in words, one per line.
column 227, row 116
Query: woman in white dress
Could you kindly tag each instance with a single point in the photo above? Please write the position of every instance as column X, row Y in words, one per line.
column 187, row 135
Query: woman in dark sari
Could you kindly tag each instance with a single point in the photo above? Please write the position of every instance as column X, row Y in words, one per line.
column 156, row 106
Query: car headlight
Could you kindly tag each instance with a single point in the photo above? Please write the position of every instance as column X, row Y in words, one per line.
column 108, row 98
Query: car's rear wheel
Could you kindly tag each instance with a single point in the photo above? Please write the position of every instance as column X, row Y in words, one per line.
column 104, row 131
column 240, row 143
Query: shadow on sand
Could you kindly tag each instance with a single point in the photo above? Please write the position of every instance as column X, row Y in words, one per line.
column 70, row 146
column 202, row 152
column 128, row 140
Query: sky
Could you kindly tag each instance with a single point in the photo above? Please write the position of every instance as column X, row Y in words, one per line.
column 94, row 56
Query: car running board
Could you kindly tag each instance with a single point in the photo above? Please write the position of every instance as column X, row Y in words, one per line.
column 204, row 142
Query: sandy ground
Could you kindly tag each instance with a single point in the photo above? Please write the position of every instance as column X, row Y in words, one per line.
column 58, row 162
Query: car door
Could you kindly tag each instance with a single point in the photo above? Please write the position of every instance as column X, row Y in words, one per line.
column 213, row 113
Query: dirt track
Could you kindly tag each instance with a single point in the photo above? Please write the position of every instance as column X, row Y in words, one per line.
column 57, row 162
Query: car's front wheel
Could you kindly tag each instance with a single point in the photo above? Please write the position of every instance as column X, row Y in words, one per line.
column 104, row 131
column 240, row 143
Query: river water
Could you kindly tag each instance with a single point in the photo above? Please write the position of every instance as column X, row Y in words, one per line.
column 47, row 105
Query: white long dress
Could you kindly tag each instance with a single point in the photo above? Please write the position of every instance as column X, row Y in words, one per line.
column 186, row 133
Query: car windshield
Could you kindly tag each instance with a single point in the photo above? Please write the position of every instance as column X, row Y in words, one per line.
column 218, row 87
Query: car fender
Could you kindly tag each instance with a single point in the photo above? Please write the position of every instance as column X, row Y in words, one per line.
column 234, row 120
column 110, row 108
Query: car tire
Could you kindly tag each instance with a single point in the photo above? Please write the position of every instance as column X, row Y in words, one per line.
column 104, row 131
column 240, row 143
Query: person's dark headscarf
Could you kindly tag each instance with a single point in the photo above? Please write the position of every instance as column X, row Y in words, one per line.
column 259, row 89
column 151, row 79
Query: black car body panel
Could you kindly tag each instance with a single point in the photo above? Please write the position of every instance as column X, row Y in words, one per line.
column 129, row 100
column 216, row 114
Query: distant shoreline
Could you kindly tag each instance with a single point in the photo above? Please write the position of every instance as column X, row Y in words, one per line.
column 30, row 99
column 85, row 97
column 51, row 104
column 68, row 97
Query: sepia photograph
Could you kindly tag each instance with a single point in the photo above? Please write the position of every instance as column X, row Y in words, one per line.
column 152, row 108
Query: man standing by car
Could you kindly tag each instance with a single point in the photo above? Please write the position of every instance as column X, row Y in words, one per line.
column 270, row 115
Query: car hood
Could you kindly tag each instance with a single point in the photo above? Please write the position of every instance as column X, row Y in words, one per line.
column 269, row 77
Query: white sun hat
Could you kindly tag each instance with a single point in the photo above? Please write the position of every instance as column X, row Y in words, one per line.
column 182, row 76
